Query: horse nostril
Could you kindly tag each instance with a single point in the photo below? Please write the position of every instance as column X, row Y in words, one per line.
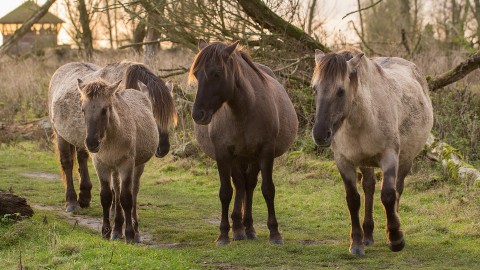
column 201, row 114
column 329, row 134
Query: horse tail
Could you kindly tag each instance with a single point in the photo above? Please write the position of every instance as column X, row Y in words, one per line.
column 164, row 109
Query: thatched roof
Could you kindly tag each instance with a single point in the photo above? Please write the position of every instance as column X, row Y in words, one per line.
column 24, row 12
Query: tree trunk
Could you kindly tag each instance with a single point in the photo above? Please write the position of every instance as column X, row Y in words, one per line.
column 138, row 36
column 260, row 13
column 11, row 204
column 25, row 28
column 87, row 39
column 109, row 23
column 455, row 74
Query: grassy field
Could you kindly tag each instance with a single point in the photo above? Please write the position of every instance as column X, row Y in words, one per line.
column 179, row 207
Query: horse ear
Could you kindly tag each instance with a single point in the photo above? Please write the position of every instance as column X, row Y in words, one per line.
column 318, row 55
column 169, row 85
column 80, row 86
column 231, row 48
column 114, row 87
column 354, row 62
column 143, row 87
column 202, row 44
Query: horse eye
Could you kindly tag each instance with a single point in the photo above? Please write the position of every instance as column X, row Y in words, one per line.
column 216, row 74
column 340, row 92
column 104, row 111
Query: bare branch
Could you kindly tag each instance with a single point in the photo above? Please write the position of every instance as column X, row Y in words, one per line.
column 362, row 9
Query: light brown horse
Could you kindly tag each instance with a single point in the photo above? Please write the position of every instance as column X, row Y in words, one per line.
column 123, row 121
column 244, row 119
column 69, row 126
column 374, row 113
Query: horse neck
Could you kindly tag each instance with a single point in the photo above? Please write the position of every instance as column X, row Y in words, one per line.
column 362, row 111
column 114, row 122
column 244, row 93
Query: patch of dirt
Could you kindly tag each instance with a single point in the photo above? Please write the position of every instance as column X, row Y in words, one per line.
column 309, row 242
column 90, row 222
column 42, row 175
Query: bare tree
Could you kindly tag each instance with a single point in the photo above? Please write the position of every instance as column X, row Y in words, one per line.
column 87, row 39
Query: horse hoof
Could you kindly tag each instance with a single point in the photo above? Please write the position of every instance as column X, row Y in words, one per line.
column 251, row 235
column 395, row 247
column 357, row 250
column 368, row 242
column 84, row 204
column 222, row 241
column 137, row 239
column 117, row 236
column 72, row 207
column 276, row 240
column 239, row 236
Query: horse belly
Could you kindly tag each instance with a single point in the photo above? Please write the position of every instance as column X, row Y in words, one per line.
column 67, row 119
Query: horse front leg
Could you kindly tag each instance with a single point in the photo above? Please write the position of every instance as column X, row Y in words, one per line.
column 238, row 177
column 136, row 186
column 268, row 191
column 368, row 184
column 117, row 208
column 348, row 173
column 104, row 176
column 66, row 151
column 251, row 182
column 126, row 171
column 389, row 198
column 224, row 166
column 85, row 183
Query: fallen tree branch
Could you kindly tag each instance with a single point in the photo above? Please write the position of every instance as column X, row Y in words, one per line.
column 143, row 43
column 260, row 13
column 455, row 74
column 452, row 162
column 362, row 9
column 25, row 28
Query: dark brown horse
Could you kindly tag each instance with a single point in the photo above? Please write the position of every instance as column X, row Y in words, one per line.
column 69, row 126
column 374, row 113
column 244, row 119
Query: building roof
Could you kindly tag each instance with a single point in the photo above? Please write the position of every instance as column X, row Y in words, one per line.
column 24, row 12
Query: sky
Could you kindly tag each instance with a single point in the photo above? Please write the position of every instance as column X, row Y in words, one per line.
column 332, row 10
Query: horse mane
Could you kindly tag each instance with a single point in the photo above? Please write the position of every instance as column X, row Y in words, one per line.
column 214, row 52
column 162, row 102
column 96, row 88
column 334, row 66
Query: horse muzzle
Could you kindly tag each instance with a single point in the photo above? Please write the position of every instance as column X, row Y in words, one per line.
column 93, row 146
column 202, row 117
column 322, row 139
column 162, row 151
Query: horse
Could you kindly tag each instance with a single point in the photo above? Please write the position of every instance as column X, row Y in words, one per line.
column 69, row 126
column 243, row 120
column 124, row 123
column 373, row 113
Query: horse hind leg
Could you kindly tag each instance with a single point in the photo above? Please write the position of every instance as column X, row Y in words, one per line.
column 403, row 171
column 251, row 182
column 268, row 191
column 238, row 177
column 368, row 184
column 66, row 151
column 136, row 186
column 85, row 183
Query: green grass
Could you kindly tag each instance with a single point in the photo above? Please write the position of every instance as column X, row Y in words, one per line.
column 179, row 204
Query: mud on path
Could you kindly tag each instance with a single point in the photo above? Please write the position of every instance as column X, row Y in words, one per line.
column 93, row 223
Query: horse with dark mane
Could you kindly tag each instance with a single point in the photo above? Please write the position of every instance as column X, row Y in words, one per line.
column 64, row 108
column 244, row 119
column 373, row 113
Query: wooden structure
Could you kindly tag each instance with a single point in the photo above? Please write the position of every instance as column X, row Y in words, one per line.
column 43, row 34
